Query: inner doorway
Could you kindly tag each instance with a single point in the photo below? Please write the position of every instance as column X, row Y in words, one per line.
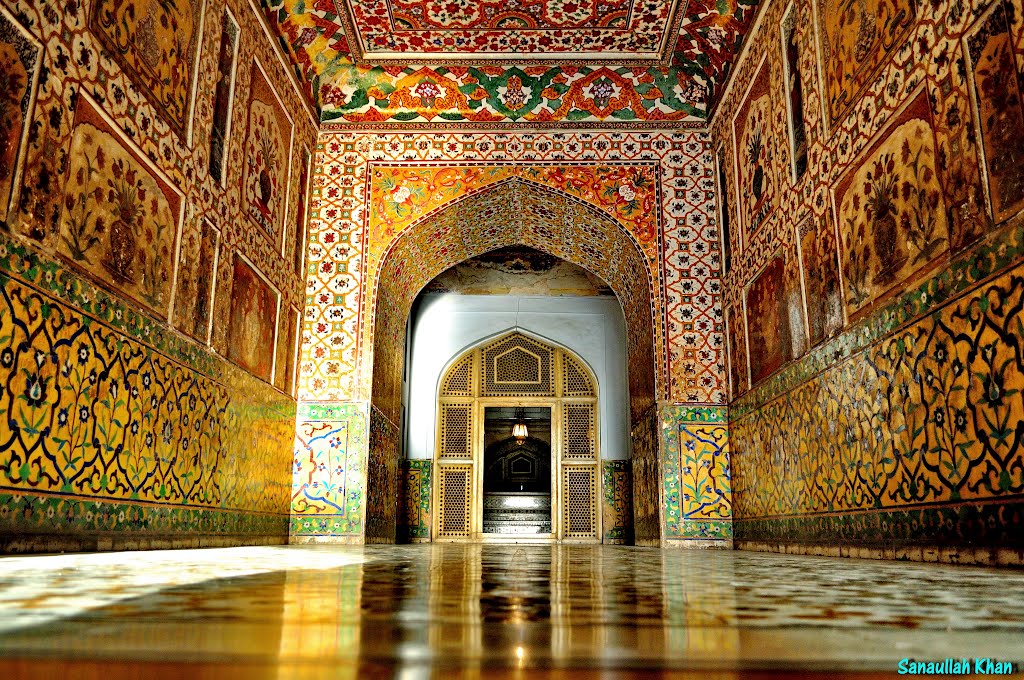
column 488, row 485
column 517, row 471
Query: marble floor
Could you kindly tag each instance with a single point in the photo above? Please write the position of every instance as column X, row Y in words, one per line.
column 494, row 610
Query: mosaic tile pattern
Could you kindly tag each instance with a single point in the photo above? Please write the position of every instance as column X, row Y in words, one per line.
column 647, row 501
column 28, row 521
column 696, row 473
column 115, row 422
column 334, row 354
column 617, row 501
column 928, row 416
column 328, row 478
column 98, row 418
column 382, row 478
column 682, row 82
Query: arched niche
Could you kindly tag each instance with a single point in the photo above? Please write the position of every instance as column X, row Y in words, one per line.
column 508, row 213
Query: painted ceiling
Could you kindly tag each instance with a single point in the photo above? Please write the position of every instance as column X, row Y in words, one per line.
column 543, row 63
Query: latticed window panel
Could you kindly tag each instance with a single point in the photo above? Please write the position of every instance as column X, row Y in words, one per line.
column 456, row 431
column 575, row 380
column 518, row 366
column 454, row 484
column 458, row 381
column 578, row 431
column 579, row 501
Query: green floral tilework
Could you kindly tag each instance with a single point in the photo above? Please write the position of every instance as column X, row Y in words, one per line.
column 617, row 482
column 697, row 479
column 328, row 476
column 22, row 514
column 414, row 522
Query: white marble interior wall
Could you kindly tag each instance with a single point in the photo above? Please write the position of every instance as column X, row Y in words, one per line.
column 445, row 325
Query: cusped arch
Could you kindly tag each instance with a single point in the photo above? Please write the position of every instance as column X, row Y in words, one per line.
column 509, row 213
column 514, row 212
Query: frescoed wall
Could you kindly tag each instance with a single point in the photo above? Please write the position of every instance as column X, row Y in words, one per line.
column 390, row 211
column 893, row 419
column 134, row 420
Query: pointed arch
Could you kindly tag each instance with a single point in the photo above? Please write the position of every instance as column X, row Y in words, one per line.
column 508, row 213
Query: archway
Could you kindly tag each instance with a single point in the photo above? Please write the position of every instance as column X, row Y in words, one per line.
column 485, row 394
column 512, row 212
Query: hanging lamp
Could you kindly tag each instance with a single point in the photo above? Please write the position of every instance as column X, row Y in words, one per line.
column 519, row 430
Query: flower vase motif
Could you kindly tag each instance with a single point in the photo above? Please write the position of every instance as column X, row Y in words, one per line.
column 892, row 217
column 602, row 91
column 882, row 209
column 428, row 92
column 125, row 195
column 754, row 151
column 121, row 252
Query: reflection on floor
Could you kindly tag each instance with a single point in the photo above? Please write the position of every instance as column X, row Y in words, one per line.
column 506, row 610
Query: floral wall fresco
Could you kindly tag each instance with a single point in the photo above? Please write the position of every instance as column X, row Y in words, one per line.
column 755, row 153
column 268, row 149
column 768, row 331
column 997, row 86
column 891, row 212
column 121, row 216
column 696, row 474
column 197, row 269
column 328, row 473
column 550, row 191
column 224, row 87
column 20, row 58
column 890, row 423
column 857, row 37
column 252, row 322
column 130, row 426
column 155, row 44
column 415, row 27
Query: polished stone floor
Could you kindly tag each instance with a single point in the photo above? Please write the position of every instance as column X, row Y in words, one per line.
column 495, row 610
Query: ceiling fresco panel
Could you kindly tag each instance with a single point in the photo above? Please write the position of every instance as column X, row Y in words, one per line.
column 625, row 63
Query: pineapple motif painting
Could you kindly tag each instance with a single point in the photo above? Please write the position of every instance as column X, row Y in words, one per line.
column 155, row 41
column 268, row 150
column 19, row 66
column 857, row 37
column 120, row 217
column 768, row 327
column 754, row 156
column 998, row 85
column 252, row 321
column 892, row 215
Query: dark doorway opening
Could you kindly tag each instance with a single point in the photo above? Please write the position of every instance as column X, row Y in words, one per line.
column 517, row 470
